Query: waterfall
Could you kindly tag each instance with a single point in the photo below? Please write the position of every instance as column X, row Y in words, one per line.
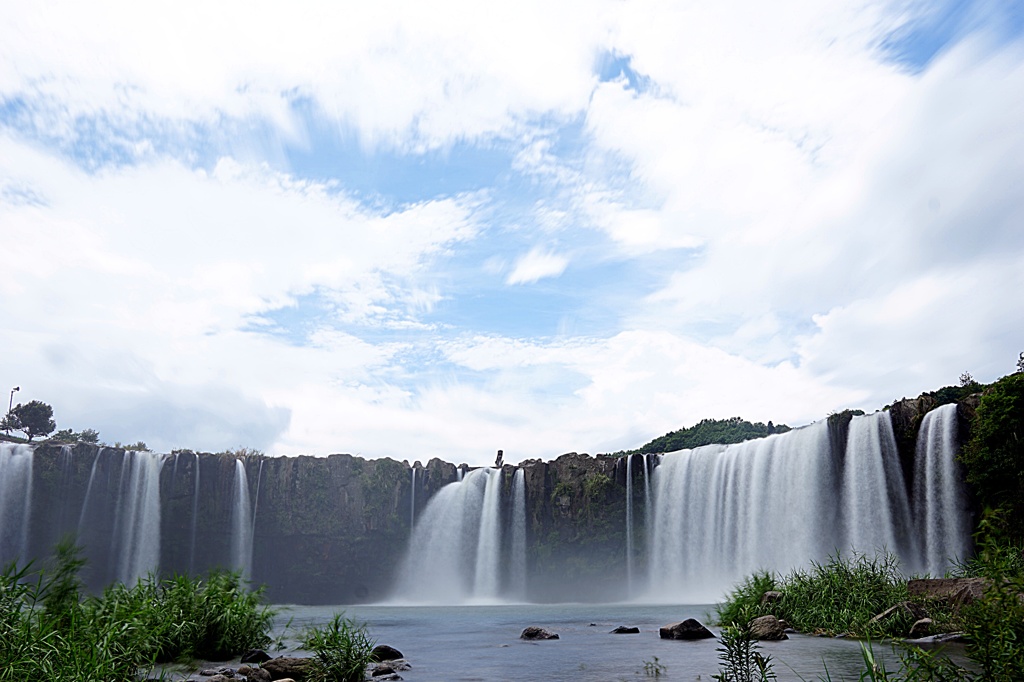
column 412, row 503
column 88, row 493
column 255, row 509
column 454, row 553
column 15, row 501
column 940, row 501
column 777, row 503
column 241, row 523
column 488, row 543
column 629, row 525
column 648, row 500
column 721, row 512
column 65, row 461
column 195, row 520
column 876, row 508
column 517, row 579
column 137, row 523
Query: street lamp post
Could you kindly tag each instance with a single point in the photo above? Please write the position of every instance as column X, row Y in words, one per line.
column 10, row 406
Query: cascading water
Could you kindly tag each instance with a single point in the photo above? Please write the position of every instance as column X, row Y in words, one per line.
column 517, row 579
column 721, row 512
column 940, row 500
column 137, row 522
column 15, row 501
column 875, row 508
column 629, row 524
column 195, row 519
column 488, row 542
column 255, row 510
column 454, row 553
column 412, row 502
column 241, row 523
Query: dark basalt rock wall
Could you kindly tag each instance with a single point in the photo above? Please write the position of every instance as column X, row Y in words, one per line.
column 334, row 529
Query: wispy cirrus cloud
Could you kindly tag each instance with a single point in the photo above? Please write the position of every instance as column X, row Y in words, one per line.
column 536, row 265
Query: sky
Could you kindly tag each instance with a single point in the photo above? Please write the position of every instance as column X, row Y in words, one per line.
column 416, row 230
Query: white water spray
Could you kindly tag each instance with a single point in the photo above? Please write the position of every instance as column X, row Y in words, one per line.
column 876, row 509
column 137, row 524
column 940, row 500
column 454, row 553
column 517, row 579
column 241, row 524
column 721, row 512
column 15, row 501
column 629, row 525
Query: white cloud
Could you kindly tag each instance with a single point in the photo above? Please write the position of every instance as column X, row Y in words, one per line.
column 797, row 224
column 536, row 265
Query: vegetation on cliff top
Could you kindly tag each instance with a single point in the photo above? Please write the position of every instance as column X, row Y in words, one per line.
column 994, row 456
column 707, row 432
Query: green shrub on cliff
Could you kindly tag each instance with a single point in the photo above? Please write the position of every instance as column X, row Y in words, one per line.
column 707, row 432
column 994, row 456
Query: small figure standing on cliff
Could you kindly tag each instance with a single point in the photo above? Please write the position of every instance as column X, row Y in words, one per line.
column 497, row 462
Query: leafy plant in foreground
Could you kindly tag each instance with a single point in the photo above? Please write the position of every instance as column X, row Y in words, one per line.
column 741, row 660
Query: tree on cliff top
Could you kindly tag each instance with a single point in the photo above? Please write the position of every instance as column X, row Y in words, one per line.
column 34, row 418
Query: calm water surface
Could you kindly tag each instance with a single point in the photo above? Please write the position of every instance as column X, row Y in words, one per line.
column 466, row 643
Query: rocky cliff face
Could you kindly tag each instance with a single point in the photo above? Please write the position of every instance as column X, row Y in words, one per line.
column 335, row 529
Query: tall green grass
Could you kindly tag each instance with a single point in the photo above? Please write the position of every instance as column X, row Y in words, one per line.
column 49, row 631
column 839, row 596
column 342, row 650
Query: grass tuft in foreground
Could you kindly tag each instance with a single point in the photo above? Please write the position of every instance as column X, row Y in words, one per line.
column 838, row 596
column 341, row 649
column 48, row 631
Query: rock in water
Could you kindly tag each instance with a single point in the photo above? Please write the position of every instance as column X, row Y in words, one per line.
column 687, row 629
column 623, row 630
column 534, row 632
column 288, row 667
column 767, row 628
column 383, row 652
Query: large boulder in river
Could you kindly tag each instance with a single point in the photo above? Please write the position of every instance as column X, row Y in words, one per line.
column 383, row 652
column 955, row 591
column 284, row 667
column 767, row 628
column 687, row 629
column 533, row 632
